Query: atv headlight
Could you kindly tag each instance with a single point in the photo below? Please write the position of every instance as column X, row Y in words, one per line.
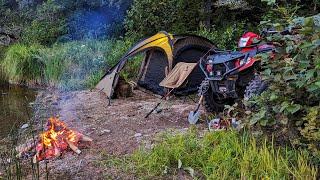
column 243, row 42
column 244, row 61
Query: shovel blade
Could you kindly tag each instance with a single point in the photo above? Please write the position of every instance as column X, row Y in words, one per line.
column 193, row 117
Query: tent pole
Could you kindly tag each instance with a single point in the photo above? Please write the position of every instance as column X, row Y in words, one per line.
column 161, row 100
column 109, row 101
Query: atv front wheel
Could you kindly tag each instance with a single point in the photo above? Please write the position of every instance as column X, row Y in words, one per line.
column 212, row 104
column 255, row 87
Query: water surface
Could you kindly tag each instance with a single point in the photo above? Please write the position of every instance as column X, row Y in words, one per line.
column 14, row 107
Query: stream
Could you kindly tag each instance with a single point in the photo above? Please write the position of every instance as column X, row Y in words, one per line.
column 14, row 107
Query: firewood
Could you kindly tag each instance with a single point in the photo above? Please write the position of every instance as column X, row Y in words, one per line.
column 85, row 138
column 73, row 147
column 35, row 158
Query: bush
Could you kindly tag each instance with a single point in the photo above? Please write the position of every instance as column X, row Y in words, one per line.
column 23, row 64
column 219, row 155
column 291, row 105
column 47, row 26
column 178, row 16
column 223, row 37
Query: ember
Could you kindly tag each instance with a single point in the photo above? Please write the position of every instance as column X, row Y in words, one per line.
column 56, row 139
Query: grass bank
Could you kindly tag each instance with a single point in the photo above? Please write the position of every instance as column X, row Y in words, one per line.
column 69, row 66
column 218, row 155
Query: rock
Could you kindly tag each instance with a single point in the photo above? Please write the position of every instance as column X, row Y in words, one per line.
column 24, row 126
column 105, row 131
column 138, row 135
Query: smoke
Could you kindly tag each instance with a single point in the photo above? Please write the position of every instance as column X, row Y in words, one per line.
column 97, row 23
column 83, row 60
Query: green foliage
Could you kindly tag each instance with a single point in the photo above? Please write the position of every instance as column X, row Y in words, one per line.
column 119, row 48
column 48, row 25
column 23, row 64
column 178, row 16
column 269, row 2
column 75, row 65
column 72, row 65
column 292, row 101
column 226, row 37
column 218, row 155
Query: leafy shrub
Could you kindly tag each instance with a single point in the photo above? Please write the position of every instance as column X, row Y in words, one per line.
column 148, row 17
column 23, row 64
column 224, row 37
column 220, row 155
column 291, row 105
column 47, row 26
column 44, row 32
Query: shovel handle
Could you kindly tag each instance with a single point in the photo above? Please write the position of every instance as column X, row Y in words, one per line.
column 199, row 104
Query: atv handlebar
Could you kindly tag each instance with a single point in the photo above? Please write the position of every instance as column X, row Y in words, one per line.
column 290, row 31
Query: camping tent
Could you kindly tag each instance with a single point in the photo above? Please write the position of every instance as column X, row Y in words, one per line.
column 162, row 52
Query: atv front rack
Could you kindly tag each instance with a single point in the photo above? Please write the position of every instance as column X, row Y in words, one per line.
column 228, row 70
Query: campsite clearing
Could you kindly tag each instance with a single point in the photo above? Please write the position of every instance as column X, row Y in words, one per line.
column 116, row 130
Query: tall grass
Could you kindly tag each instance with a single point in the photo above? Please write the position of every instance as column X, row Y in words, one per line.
column 222, row 155
column 69, row 66
column 3, row 78
column 23, row 64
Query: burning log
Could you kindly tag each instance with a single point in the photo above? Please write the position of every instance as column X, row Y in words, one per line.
column 86, row 138
column 57, row 139
column 73, row 147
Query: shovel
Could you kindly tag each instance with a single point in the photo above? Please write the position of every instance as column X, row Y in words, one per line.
column 194, row 115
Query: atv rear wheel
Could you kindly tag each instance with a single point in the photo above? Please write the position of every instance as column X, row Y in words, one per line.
column 212, row 104
column 255, row 87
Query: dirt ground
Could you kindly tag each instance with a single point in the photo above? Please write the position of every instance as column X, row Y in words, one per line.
column 117, row 130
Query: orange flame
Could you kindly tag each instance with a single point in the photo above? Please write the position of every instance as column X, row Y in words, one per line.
column 54, row 140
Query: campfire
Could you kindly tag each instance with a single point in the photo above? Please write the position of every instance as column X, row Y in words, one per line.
column 57, row 139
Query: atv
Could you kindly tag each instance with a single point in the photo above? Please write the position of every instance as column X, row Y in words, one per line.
column 230, row 75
